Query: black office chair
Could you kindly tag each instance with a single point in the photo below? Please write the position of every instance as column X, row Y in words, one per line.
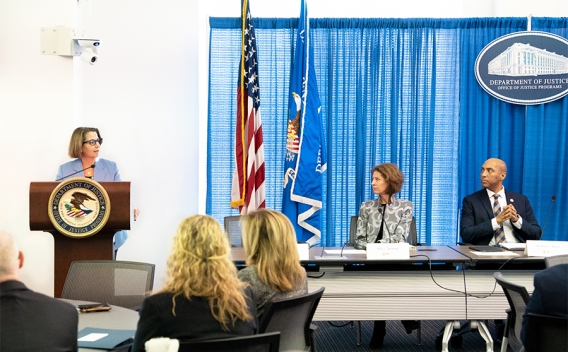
column 268, row 342
column 518, row 297
column 119, row 283
column 412, row 238
column 232, row 226
column 293, row 318
column 512, row 326
column 353, row 228
column 546, row 333
column 555, row 260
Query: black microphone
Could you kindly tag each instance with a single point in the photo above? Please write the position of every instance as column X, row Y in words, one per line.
column 329, row 256
column 382, row 209
column 398, row 223
column 345, row 244
column 64, row 177
column 546, row 220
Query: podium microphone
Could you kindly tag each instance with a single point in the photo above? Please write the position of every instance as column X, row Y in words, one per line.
column 90, row 167
column 546, row 220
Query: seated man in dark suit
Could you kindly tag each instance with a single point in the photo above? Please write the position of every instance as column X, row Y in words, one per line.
column 550, row 295
column 494, row 215
column 30, row 321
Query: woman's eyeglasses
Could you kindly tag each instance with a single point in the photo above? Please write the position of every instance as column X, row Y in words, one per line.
column 94, row 141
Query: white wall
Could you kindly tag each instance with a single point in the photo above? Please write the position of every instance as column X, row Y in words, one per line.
column 147, row 94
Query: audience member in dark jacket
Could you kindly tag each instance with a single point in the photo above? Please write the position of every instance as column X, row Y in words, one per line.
column 31, row 321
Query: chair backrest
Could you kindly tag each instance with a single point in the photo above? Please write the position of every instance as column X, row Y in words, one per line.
column 292, row 317
column 412, row 237
column 268, row 342
column 233, row 230
column 119, row 283
column 518, row 297
column 555, row 260
column 546, row 333
column 353, row 229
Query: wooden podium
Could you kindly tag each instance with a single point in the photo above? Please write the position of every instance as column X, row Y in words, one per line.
column 68, row 249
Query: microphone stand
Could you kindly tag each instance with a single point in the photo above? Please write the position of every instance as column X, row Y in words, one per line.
column 547, row 214
column 64, row 177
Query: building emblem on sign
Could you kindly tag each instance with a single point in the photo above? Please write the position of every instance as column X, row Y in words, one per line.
column 526, row 68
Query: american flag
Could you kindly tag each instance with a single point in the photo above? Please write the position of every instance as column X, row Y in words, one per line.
column 74, row 214
column 292, row 139
column 248, row 179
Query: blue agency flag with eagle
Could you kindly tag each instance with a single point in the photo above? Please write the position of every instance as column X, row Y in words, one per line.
column 305, row 146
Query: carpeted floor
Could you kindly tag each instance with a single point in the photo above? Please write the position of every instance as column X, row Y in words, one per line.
column 344, row 339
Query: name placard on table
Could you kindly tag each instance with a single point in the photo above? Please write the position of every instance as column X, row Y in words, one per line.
column 546, row 248
column 389, row 251
column 304, row 251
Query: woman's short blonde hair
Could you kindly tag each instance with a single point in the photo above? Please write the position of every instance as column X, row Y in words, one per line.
column 270, row 245
column 200, row 265
column 77, row 139
column 392, row 176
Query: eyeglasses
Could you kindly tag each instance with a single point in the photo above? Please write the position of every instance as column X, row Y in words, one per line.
column 94, row 141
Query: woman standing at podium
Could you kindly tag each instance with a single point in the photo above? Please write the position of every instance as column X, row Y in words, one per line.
column 84, row 147
column 386, row 219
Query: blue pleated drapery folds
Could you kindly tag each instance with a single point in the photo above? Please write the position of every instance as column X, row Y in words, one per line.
column 401, row 91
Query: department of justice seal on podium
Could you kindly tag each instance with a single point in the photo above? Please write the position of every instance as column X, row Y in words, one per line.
column 79, row 207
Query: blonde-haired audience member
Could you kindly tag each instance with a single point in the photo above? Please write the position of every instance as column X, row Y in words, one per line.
column 274, row 271
column 202, row 297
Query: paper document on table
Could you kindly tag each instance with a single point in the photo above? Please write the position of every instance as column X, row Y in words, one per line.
column 107, row 339
column 92, row 337
column 496, row 254
column 514, row 246
column 345, row 251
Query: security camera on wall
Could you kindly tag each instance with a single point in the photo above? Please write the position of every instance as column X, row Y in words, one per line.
column 89, row 50
column 89, row 43
column 66, row 41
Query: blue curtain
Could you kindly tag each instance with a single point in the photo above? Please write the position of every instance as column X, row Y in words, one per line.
column 392, row 90
column 530, row 139
column 545, row 167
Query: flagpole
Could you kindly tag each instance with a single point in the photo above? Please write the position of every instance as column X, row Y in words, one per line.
column 242, row 73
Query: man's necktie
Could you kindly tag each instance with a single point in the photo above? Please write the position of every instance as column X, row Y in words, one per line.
column 499, row 233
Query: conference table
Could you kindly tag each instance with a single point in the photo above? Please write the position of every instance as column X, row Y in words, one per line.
column 449, row 283
column 118, row 318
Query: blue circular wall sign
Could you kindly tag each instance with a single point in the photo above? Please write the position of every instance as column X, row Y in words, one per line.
column 525, row 68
